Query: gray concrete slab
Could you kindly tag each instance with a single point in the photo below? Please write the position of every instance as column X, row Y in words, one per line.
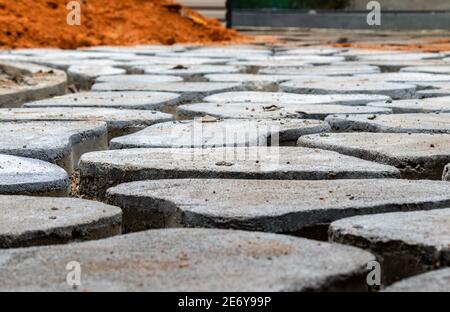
column 435, row 90
column 189, row 260
column 349, row 85
column 189, row 91
column 416, row 155
column 427, row 69
column 220, row 52
column 33, row 221
column 22, row 82
column 189, row 72
column 398, row 123
column 58, row 142
column 279, row 98
column 26, row 176
column 212, row 132
column 253, row 81
column 269, row 111
column 422, row 80
column 124, row 100
column 406, row 243
column 325, row 51
column 64, row 64
column 431, row 105
column 397, row 65
column 139, row 78
column 267, row 205
column 344, row 69
column 101, row 170
column 119, row 121
column 84, row 76
column 434, row 281
column 408, row 56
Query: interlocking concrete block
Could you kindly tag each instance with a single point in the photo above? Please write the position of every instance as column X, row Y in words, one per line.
column 189, row 91
column 270, row 111
column 406, row 243
column 32, row 221
column 139, row 78
column 190, row 72
column 22, row 82
column 101, row 170
column 401, row 123
column 26, row 176
column 431, row 105
column 299, row 207
column 327, row 70
column 435, row 281
column 119, row 121
column 125, row 100
column 58, row 142
column 84, row 76
column 189, row 260
column 416, row 155
column 212, row 132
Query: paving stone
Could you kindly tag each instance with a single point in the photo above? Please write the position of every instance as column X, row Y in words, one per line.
column 399, row 123
column 420, row 79
column 406, row 243
column 64, row 64
column 416, row 155
column 330, row 70
column 210, row 132
column 189, row 260
column 427, row 69
column 253, row 81
column 32, row 221
column 435, row 90
column 101, row 170
column 435, row 281
column 431, row 105
column 279, row 98
column 84, row 76
column 296, row 207
column 221, row 52
column 396, row 65
column 310, row 51
column 400, row 57
column 58, row 142
column 137, row 49
column 189, row 91
column 139, row 65
column 139, row 78
column 245, row 64
column 126, row 100
column 269, row 111
column 349, row 85
column 22, row 82
column 26, row 176
column 191, row 72
column 119, row 121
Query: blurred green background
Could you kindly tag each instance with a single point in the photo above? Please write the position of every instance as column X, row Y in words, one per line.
column 290, row 4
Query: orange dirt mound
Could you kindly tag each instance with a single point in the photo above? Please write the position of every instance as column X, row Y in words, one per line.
column 42, row 23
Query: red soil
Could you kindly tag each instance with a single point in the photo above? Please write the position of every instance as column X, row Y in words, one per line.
column 42, row 23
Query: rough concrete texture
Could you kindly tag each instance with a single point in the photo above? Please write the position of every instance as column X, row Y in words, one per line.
column 400, row 57
column 32, row 221
column 26, row 176
column 330, row 70
column 349, row 85
column 406, row 243
column 396, row 65
column 267, row 205
column 434, row 281
column 189, row 91
column 119, row 121
column 22, row 82
column 419, row 79
column 431, row 105
column 416, row 155
column 190, row 72
column 269, row 111
column 58, row 142
column 402, row 123
column 212, row 132
column 280, row 98
column 253, row 81
column 139, row 79
column 138, row 66
column 189, row 260
column 427, row 69
column 84, row 76
column 437, row 89
column 127, row 100
column 101, row 170
column 222, row 52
